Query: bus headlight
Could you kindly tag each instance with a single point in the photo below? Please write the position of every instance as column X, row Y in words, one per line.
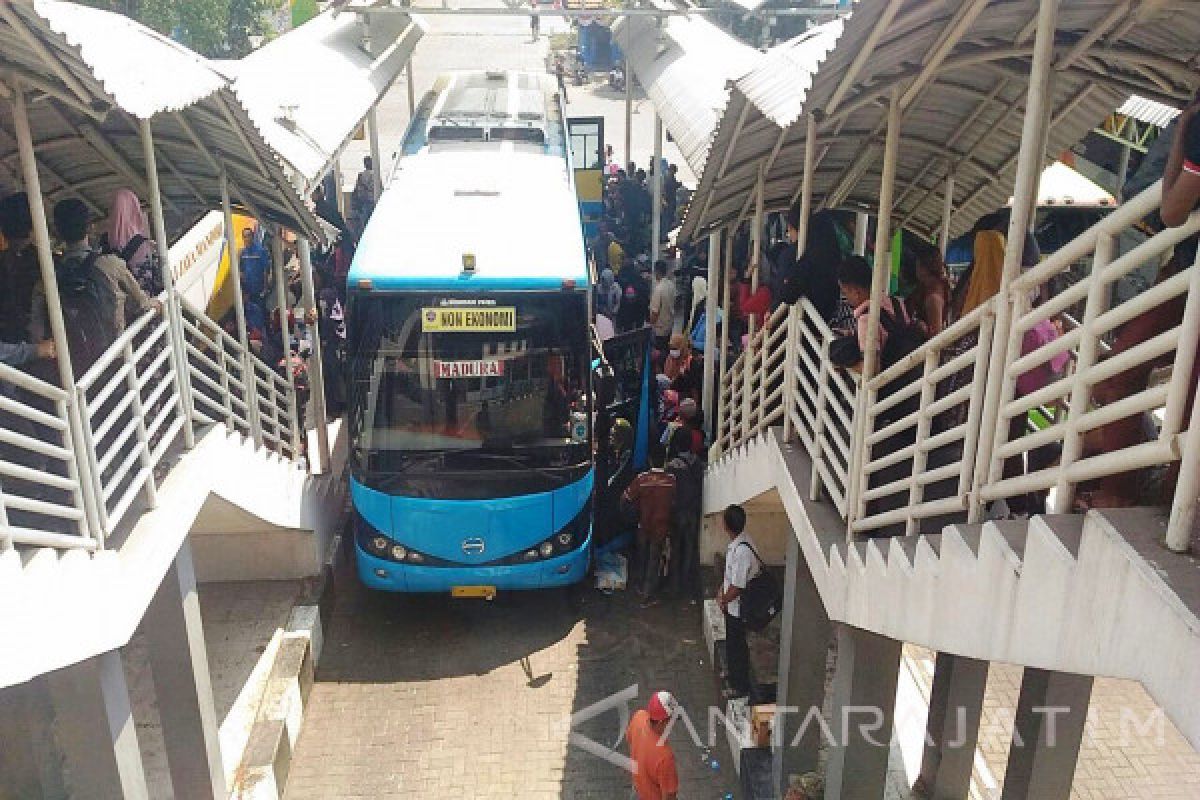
column 531, row 555
column 415, row 557
column 399, row 552
column 546, row 549
column 564, row 539
column 380, row 544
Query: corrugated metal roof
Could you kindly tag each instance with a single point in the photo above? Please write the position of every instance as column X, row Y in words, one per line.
column 144, row 72
column 685, row 67
column 97, row 75
column 1149, row 111
column 778, row 85
column 968, row 117
column 309, row 90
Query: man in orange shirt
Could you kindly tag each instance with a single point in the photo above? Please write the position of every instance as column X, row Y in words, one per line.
column 654, row 773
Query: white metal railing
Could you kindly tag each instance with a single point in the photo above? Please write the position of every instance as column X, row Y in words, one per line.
column 1111, row 387
column 819, row 404
column 922, row 430
column 236, row 388
column 131, row 408
column 40, row 499
column 73, row 466
column 911, row 447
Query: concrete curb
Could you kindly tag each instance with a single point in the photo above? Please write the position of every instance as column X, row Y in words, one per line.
column 266, row 761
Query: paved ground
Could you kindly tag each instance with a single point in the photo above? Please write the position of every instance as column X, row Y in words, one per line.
column 425, row 697
column 504, row 43
column 239, row 621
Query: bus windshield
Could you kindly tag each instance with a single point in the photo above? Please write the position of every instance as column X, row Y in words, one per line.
column 471, row 380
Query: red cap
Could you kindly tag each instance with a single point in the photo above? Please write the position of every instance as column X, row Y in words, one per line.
column 661, row 706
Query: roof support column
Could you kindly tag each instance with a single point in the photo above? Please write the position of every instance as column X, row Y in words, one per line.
column 628, row 114
column 376, row 163
column 656, row 211
column 710, row 331
column 947, row 214
column 749, row 403
column 862, row 221
column 58, row 330
column 316, row 365
column 235, row 271
column 296, row 426
column 726, row 288
column 879, row 286
column 412, row 89
column 174, row 312
column 1039, row 107
column 810, row 166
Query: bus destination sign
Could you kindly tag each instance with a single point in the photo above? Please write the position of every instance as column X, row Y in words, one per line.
column 444, row 370
column 497, row 319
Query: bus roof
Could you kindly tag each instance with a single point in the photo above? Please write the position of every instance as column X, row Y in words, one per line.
column 514, row 211
column 485, row 173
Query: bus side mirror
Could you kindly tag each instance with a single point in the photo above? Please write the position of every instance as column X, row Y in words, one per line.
column 605, row 385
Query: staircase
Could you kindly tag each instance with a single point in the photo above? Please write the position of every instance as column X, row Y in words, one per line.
column 76, row 603
column 1094, row 595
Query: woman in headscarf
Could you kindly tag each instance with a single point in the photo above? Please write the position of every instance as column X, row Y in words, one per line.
column 679, row 356
column 128, row 237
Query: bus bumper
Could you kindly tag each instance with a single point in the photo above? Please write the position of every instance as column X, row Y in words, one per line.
column 389, row 576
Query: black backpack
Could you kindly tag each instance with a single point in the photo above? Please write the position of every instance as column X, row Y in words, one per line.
column 761, row 600
column 689, row 483
column 903, row 339
column 88, row 307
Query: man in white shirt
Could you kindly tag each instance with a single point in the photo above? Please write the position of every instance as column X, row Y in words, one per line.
column 741, row 566
column 662, row 305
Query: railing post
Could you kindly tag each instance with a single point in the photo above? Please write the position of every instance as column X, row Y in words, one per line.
column 227, row 396
column 820, row 412
column 1038, row 107
column 295, row 424
column 1183, row 507
column 316, row 368
column 173, row 313
column 879, row 287
column 66, row 376
column 756, row 233
column 920, row 456
column 373, row 135
column 135, row 407
column 92, row 473
column 235, row 273
column 788, row 392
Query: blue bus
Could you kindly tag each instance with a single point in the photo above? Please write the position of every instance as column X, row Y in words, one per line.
column 470, row 351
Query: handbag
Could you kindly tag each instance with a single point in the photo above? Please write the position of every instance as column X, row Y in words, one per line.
column 761, row 600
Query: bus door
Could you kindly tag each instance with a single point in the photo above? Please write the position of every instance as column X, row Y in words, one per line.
column 587, row 154
column 629, row 356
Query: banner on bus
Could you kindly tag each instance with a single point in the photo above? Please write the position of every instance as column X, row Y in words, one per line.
column 491, row 368
column 497, row 319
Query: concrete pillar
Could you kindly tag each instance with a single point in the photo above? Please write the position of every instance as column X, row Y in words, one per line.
column 179, row 661
column 94, row 727
column 803, row 650
column 955, row 708
column 23, row 729
column 864, row 703
column 1051, row 717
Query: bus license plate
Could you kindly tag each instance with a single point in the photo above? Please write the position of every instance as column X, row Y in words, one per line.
column 485, row 592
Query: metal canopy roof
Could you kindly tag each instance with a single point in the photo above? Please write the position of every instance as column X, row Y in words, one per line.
column 961, row 67
column 685, row 67
column 309, row 90
column 92, row 76
column 1149, row 111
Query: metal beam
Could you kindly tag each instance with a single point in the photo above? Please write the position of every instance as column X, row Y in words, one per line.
column 950, row 38
column 50, row 59
column 565, row 13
